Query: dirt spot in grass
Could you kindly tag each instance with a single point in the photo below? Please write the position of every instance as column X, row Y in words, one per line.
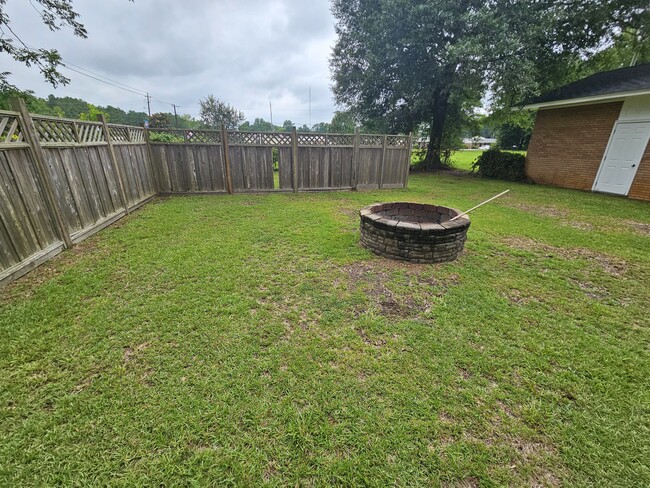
column 638, row 227
column 469, row 482
column 352, row 213
column 464, row 374
column 271, row 471
column 397, row 289
column 591, row 290
column 369, row 341
column 131, row 353
column 540, row 210
column 579, row 225
column 199, row 446
column 519, row 297
column 85, row 383
column 609, row 264
column 544, row 478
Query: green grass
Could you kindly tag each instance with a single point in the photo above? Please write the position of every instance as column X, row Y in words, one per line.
column 248, row 340
column 462, row 159
column 465, row 158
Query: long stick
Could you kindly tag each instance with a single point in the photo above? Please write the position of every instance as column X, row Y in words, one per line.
column 480, row 205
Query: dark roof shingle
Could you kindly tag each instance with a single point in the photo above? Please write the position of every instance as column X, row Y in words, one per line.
column 620, row 80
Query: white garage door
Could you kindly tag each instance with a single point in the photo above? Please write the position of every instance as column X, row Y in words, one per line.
column 624, row 152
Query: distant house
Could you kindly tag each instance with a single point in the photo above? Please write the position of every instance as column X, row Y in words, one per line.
column 478, row 142
column 593, row 134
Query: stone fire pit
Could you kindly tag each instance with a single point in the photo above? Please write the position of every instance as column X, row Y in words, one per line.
column 413, row 232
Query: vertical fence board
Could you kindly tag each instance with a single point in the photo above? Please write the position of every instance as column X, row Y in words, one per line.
column 21, row 233
column 32, row 194
column 285, row 168
column 62, row 191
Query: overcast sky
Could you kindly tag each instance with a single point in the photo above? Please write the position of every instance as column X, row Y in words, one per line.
column 245, row 52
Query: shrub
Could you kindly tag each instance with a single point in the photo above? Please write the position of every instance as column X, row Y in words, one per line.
column 503, row 165
column 165, row 137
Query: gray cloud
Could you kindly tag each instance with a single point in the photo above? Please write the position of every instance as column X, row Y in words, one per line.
column 242, row 51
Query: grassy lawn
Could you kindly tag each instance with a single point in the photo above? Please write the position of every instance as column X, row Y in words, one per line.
column 465, row 158
column 247, row 340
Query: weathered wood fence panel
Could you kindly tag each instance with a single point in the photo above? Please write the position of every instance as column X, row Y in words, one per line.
column 85, row 182
column 63, row 180
column 320, row 162
column 28, row 233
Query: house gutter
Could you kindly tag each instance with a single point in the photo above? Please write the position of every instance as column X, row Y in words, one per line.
column 608, row 97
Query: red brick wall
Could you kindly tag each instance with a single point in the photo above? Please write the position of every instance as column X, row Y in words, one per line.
column 641, row 185
column 568, row 144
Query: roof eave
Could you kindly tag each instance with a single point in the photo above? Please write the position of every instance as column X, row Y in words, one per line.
column 607, row 97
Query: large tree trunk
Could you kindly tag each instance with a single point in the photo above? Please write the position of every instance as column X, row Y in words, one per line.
column 440, row 108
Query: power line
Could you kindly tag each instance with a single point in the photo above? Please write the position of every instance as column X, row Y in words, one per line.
column 100, row 78
column 106, row 82
column 67, row 63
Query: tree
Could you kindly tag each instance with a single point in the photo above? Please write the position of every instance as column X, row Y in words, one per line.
column 322, row 127
column 55, row 14
column 215, row 113
column 287, row 126
column 160, row 121
column 342, row 123
column 92, row 113
column 398, row 63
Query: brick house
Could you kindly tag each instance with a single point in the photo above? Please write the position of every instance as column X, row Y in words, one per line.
column 593, row 134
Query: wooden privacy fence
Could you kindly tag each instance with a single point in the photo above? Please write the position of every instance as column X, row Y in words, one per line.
column 205, row 161
column 62, row 180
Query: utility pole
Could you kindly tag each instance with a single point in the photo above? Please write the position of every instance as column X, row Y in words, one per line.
column 310, row 108
column 149, row 104
column 271, row 111
column 175, row 114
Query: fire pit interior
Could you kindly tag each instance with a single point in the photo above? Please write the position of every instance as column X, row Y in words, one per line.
column 413, row 232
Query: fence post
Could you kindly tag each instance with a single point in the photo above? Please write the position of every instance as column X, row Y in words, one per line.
column 156, row 173
column 111, row 155
column 294, row 158
column 226, row 158
column 408, row 159
column 355, row 159
column 382, row 162
column 29, row 133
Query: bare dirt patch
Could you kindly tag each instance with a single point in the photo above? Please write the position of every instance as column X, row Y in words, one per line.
column 397, row 289
column 470, row 482
column 609, row 264
column 548, row 211
column 638, row 227
column 131, row 353
column 519, row 297
column 541, row 210
column 375, row 342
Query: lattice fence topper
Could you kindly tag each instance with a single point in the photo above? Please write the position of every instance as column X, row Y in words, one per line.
column 340, row 140
column 10, row 130
column 90, row 132
column 245, row 138
column 203, row 136
column 55, row 130
column 370, row 140
column 312, row 140
column 118, row 133
column 136, row 134
column 397, row 141
column 276, row 139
